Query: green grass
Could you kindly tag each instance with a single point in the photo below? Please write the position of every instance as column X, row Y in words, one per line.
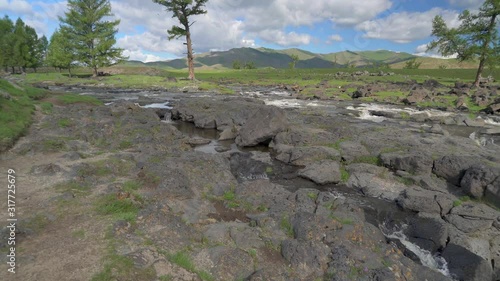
column 230, row 198
column 460, row 201
column 76, row 188
column 15, row 113
column 118, row 267
column 343, row 221
column 119, row 209
column 374, row 160
column 312, row 195
column 344, row 174
column 36, row 223
column 125, row 144
column 46, row 107
column 269, row 170
column 73, row 98
column 64, row 123
column 54, row 145
column 405, row 181
column 111, row 166
column 286, row 226
column 183, row 260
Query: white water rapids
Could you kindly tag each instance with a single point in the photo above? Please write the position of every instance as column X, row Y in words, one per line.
column 435, row 261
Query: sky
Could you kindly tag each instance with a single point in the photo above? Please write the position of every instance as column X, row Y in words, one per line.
column 319, row 26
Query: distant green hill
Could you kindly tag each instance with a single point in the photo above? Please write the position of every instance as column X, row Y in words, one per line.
column 265, row 57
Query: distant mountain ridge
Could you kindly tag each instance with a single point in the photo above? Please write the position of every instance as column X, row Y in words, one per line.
column 265, row 57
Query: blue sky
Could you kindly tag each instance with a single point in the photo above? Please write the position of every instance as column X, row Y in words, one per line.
column 321, row 26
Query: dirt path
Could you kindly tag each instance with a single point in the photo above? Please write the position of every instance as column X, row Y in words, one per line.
column 56, row 239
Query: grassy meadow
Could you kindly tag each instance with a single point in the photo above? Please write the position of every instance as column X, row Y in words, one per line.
column 18, row 102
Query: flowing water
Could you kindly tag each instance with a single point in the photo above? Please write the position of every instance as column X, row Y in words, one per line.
column 257, row 163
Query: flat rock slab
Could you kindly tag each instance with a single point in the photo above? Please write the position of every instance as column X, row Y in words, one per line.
column 471, row 218
column 323, row 172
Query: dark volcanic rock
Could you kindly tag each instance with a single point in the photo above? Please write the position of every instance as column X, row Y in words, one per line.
column 413, row 163
column 452, row 168
column 425, row 201
column 324, row 172
column 304, row 155
column 262, row 126
column 46, row 170
column 493, row 108
column 465, row 265
column 477, row 178
column 492, row 193
column 309, row 258
column 431, row 84
column 429, row 232
column 416, row 96
column 472, row 217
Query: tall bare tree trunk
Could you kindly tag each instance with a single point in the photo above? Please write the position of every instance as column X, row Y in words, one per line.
column 479, row 72
column 190, row 58
column 484, row 50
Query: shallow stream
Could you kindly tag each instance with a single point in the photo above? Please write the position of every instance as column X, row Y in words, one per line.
column 257, row 163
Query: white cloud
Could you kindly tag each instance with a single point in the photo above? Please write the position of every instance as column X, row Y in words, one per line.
column 422, row 51
column 150, row 42
column 285, row 39
column 334, row 38
column 140, row 56
column 16, row 6
column 51, row 10
column 406, row 27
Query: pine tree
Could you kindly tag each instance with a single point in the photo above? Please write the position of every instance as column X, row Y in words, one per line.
column 6, row 42
column 475, row 38
column 183, row 10
column 60, row 52
column 30, row 58
column 92, row 36
column 41, row 52
column 21, row 48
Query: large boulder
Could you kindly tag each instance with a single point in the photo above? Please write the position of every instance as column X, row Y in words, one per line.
column 465, row 265
column 492, row 193
column 420, row 200
column 310, row 259
column 477, row 178
column 452, row 168
column 412, row 163
column 351, row 150
column 323, row 172
column 472, row 217
column 374, row 181
column 304, row 155
column 428, row 231
column 262, row 126
column 495, row 256
column 416, row 96
column 493, row 108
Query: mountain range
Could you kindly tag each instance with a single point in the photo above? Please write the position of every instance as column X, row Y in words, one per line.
column 264, row 57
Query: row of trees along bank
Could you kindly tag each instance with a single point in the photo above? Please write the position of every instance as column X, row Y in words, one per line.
column 20, row 46
column 84, row 38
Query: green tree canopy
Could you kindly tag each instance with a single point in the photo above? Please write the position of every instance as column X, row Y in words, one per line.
column 183, row 10
column 6, row 42
column 20, row 45
column 475, row 38
column 92, row 36
column 61, row 53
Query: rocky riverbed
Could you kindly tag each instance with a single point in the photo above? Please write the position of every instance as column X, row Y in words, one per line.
column 257, row 186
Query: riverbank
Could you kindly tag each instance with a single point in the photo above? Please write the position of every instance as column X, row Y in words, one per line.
column 120, row 191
